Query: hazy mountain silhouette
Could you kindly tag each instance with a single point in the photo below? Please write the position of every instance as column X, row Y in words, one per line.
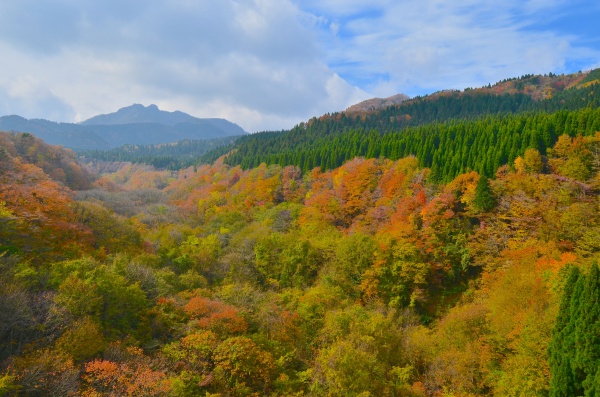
column 135, row 124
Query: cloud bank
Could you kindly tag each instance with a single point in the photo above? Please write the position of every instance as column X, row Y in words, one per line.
column 419, row 46
column 253, row 62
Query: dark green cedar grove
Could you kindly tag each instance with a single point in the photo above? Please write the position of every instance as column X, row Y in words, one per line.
column 453, row 147
column 574, row 352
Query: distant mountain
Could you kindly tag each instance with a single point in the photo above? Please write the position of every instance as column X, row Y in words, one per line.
column 136, row 114
column 136, row 125
column 377, row 103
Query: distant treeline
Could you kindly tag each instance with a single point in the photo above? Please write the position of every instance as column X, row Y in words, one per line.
column 170, row 156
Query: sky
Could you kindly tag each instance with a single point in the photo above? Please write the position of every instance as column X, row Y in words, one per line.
column 270, row 64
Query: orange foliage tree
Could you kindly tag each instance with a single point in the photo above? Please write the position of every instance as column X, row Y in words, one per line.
column 133, row 377
column 215, row 315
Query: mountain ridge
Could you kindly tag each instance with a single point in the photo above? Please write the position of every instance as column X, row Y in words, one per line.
column 535, row 86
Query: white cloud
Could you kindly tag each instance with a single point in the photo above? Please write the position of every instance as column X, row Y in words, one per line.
column 255, row 62
column 419, row 46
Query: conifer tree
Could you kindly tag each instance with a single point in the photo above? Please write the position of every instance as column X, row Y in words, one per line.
column 588, row 331
column 574, row 352
column 483, row 201
column 561, row 348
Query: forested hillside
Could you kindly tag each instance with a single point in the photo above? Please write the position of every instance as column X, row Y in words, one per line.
column 448, row 258
column 442, row 129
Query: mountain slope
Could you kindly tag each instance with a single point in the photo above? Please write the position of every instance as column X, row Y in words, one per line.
column 137, row 113
column 172, row 155
column 65, row 134
column 377, row 103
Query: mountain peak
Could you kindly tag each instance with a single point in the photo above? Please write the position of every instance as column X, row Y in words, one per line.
column 138, row 113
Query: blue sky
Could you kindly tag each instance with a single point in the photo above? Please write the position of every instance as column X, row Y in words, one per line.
column 269, row 64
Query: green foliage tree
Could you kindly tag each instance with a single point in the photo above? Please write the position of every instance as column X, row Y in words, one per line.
column 533, row 161
column 574, row 350
column 244, row 367
column 483, row 201
column 89, row 289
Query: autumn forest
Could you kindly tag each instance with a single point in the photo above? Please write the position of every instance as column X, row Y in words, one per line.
column 446, row 246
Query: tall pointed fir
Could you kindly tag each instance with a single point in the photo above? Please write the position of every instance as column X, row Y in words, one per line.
column 588, row 333
column 574, row 351
column 562, row 346
column 483, row 201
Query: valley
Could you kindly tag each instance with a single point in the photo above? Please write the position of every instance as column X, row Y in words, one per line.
column 444, row 245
